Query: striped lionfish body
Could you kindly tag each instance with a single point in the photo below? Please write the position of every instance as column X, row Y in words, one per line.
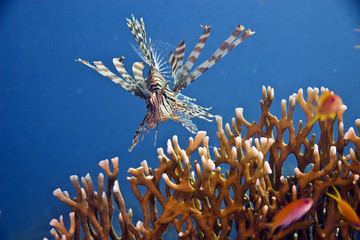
column 162, row 103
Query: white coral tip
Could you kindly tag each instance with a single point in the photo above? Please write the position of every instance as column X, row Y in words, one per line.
column 57, row 192
column 292, row 101
column 210, row 165
column 333, row 151
column 265, row 209
column 116, row 187
column 139, row 225
column 104, row 164
column 341, row 126
column 145, row 166
column 238, row 141
column 357, row 122
column 267, row 168
column 356, row 178
column 254, row 151
column 170, row 149
column 160, row 151
column 200, row 135
column 297, row 171
column 349, row 134
column 316, row 149
column 239, row 113
column 271, row 141
column 263, row 141
column 165, row 177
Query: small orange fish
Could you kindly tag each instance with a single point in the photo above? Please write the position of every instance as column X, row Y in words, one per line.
column 290, row 213
column 329, row 104
column 346, row 210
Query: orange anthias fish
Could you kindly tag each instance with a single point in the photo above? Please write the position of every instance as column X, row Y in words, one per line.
column 346, row 210
column 290, row 213
column 329, row 104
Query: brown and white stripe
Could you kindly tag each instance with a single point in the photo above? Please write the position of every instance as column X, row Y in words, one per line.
column 162, row 103
column 195, row 53
column 185, row 79
column 139, row 33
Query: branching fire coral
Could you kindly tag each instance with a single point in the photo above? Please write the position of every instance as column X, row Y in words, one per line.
column 238, row 191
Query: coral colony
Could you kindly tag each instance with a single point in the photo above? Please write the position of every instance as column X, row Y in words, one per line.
column 203, row 201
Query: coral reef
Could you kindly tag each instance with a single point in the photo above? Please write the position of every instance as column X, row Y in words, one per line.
column 237, row 191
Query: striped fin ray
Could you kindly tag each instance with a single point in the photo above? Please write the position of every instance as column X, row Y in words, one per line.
column 130, row 86
column 138, row 31
column 185, row 109
column 185, row 120
column 177, row 59
column 194, row 54
column 161, row 52
column 173, row 64
column 141, row 86
column 138, row 73
column 224, row 48
column 121, row 69
column 141, row 130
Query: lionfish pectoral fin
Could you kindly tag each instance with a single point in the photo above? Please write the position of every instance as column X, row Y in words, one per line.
column 128, row 84
column 187, row 123
column 141, row 129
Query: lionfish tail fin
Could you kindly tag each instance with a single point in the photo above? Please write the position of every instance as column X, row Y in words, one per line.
column 145, row 124
column 184, row 79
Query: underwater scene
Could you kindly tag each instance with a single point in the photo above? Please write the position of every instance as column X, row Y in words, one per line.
column 262, row 143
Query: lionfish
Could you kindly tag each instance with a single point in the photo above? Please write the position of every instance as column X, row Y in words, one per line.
column 163, row 103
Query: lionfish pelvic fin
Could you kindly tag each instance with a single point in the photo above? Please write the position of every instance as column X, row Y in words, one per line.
column 185, row 109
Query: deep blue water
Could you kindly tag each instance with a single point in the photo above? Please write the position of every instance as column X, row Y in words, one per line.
column 59, row 117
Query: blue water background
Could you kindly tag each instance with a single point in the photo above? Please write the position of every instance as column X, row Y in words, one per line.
column 59, row 117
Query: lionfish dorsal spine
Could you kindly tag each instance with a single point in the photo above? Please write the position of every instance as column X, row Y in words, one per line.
column 234, row 39
column 138, row 31
column 178, row 58
column 193, row 55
